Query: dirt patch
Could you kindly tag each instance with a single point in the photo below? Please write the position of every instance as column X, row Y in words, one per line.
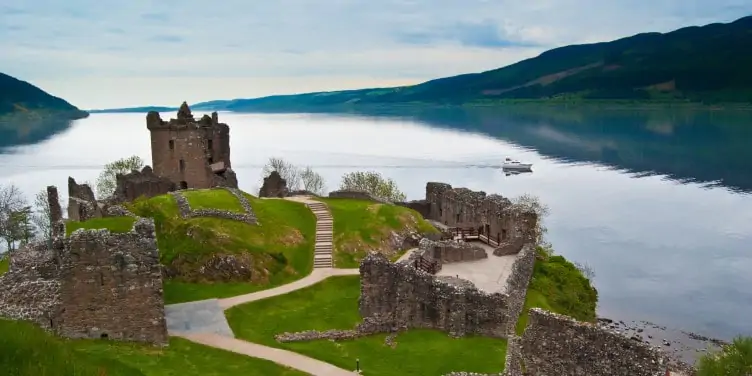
column 291, row 238
column 663, row 86
column 544, row 80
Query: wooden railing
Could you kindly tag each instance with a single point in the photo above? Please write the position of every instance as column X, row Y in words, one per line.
column 469, row 233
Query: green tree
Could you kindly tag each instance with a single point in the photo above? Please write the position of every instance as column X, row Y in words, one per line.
column 106, row 181
column 12, row 203
column 373, row 183
column 734, row 359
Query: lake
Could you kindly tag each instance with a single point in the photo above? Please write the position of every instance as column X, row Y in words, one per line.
column 657, row 203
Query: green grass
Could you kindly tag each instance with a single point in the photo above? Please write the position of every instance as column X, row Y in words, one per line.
column 26, row 350
column 361, row 225
column 333, row 304
column 4, row 264
column 114, row 224
column 280, row 248
column 558, row 286
column 213, row 199
column 734, row 359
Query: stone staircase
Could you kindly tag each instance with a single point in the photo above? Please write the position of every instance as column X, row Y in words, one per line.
column 322, row 255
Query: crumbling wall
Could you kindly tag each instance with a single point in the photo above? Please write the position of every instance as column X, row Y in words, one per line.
column 94, row 284
column 82, row 205
column 111, row 285
column 559, row 345
column 493, row 216
column 144, row 183
column 274, row 186
column 57, row 228
column 421, row 206
column 30, row 290
column 518, row 283
column 400, row 296
column 448, row 251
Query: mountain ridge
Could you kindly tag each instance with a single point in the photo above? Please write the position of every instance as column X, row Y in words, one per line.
column 692, row 65
column 21, row 99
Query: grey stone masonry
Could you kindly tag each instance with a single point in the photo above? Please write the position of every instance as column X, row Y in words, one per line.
column 187, row 212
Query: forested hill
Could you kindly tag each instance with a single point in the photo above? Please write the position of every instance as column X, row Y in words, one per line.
column 22, row 99
column 710, row 64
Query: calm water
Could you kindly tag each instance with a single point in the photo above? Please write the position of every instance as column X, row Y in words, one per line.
column 658, row 204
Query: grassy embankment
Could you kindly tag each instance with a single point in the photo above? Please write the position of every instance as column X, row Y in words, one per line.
column 360, row 226
column 279, row 249
column 26, row 350
column 558, row 286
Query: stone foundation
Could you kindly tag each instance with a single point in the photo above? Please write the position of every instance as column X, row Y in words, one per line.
column 187, row 212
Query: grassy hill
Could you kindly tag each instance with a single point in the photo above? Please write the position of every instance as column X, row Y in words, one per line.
column 278, row 251
column 22, row 99
column 26, row 350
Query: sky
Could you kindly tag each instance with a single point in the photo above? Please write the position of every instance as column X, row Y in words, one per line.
column 106, row 54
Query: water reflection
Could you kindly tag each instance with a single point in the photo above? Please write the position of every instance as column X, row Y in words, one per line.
column 708, row 147
column 18, row 131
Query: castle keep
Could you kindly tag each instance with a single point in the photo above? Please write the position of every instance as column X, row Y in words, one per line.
column 191, row 153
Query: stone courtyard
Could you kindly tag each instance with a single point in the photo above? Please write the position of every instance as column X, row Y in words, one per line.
column 489, row 274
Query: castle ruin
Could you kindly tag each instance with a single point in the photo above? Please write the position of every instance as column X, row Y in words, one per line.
column 191, row 153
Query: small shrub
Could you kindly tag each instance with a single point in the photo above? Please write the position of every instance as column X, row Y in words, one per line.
column 373, row 183
column 734, row 359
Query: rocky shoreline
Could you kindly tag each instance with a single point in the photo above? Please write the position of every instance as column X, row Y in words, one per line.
column 684, row 348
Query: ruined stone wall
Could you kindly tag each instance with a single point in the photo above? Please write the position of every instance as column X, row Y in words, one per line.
column 82, row 205
column 30, row 290
column 449, row 251
column 111, row 285
column 185, row 149
column 421, row 206
column 144, row 183
column 559, row 345
column 399, row 296
column 492, row 215
column 274, row 186
column 94, row 284
column 518, row 282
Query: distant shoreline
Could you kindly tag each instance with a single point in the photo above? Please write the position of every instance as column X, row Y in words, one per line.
column 504, row 104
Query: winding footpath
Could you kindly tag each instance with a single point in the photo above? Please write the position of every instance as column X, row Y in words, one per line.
column 204, row 321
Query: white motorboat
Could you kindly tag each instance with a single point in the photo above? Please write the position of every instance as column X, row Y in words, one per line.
column 512, row 164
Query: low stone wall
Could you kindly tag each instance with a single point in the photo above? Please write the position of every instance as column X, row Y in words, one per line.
column 400, row 296
column 187, row 212
column 358, row 195
column 559, row 345
column 449, row 251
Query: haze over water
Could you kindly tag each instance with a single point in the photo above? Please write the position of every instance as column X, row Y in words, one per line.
column 672, row 248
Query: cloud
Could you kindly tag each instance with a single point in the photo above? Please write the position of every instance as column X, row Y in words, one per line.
column 63, row 44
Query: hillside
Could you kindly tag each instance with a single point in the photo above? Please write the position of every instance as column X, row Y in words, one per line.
column 708, row 64
column 22, row 99
column 209, row 257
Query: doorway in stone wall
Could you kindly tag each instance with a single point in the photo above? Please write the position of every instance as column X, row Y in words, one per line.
column 183, row 184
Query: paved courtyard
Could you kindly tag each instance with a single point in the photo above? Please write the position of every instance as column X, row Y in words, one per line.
column 488, row 274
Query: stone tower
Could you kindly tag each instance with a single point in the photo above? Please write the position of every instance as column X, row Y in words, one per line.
column 191, row 153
